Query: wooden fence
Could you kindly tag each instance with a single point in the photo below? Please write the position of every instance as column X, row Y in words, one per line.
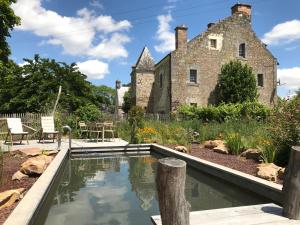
column 32, row 120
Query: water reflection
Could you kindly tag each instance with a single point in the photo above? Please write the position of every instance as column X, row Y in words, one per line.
column 121, row 190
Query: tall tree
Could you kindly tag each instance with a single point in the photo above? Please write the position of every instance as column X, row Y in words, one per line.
column 8, row 20
column 237, row 83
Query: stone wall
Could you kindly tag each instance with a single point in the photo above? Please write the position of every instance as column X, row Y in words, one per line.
column 231, row 31
column 161, row 95
column 142, row 82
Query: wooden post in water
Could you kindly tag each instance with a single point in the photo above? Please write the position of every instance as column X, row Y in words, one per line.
column 170, row 183
column 291, row 186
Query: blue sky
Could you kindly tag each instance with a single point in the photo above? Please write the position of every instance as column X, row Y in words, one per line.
column 105, row 37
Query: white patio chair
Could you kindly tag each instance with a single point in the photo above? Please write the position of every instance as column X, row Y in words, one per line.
column 48, row 128
column 15, row 128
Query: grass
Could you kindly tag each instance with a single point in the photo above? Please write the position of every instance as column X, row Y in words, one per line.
column 180, row 132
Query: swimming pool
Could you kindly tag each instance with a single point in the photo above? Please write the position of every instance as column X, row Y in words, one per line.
column 121, row 189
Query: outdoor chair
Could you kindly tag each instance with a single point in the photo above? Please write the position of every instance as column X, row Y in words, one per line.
column 109, row 128
column 15, row 128
column 83, row 129
column 47, row 129
column 96, row 128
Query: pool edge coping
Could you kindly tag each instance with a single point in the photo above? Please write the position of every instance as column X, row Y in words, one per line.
column 257, row 185
column 27, row 207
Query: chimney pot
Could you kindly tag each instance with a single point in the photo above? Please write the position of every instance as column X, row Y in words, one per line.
column 241, row 8
column 181, row 37
column 118, row 84
column 210, row 24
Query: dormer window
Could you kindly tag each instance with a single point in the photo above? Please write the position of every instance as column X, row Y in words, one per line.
column 242, row 50
column 213, row 43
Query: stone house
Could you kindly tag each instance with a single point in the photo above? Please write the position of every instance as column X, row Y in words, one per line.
column 189, row 74
column 120, row 92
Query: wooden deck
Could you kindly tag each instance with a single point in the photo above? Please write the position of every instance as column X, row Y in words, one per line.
column 266, row 214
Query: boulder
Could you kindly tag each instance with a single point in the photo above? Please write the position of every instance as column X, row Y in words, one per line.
column 212, row 144
column 252, row 153
column 51, row 152
column 181, row 149
column 221, row 149
column 7, row 198
column 268, row 171
column 34, row 151
column 281, row 173
column 19, row 176
column 36, row 165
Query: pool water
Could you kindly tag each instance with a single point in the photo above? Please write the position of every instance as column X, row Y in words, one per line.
column 121, row 190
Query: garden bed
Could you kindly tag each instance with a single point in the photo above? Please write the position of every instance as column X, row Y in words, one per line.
column 11, row 164
column 242, row 164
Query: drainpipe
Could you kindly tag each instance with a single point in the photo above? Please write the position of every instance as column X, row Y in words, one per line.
column 69, row 130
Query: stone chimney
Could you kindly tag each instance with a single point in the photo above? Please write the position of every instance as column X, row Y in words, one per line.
column 210, row 25
column 181, row 37
column 241, row 9
column 118, row 84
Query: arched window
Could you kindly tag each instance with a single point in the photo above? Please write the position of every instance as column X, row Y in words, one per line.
column 242, row 50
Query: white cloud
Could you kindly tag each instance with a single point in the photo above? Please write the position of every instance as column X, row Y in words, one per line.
column 289, row 77
column 94, row 69
column 164, row 35
column 80, row 35
column 111, row 48
column 283, row 33
column 96, row 4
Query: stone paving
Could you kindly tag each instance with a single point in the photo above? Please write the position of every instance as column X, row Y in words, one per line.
column 49, row 145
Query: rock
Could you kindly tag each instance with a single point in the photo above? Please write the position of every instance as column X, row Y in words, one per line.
column 221, row 149
column 36, row 165
column 51, row 152
column 7, row 198
column 212, row 144
column 252, row 153
column 196, row 134
column 268, row 171
column 281, row 173
column 181, row 149
column 30, row 151
column 19, row 176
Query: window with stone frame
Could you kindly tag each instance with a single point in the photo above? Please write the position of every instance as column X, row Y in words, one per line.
column 193, row 76
column 160, row 80
column 193, row 104
column 242, row 50
column 213, row 43
column 260, row 80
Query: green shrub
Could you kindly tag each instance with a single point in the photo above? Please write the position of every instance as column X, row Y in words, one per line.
column 285, row 128
column 234, row 143
column 236, row 83
column 226, row 112
column 136, row 121
column 268, row 153
column 89, row 112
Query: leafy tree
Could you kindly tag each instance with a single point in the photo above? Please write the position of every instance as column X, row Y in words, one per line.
column 127, row 101
column 237, row 83
column 104, row 97
column 8, row 20
column 89, row 112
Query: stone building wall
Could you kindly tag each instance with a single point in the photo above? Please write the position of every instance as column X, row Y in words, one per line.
column 198, row 54
column 232, row 31
column 143, row 82
column 161, row 94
